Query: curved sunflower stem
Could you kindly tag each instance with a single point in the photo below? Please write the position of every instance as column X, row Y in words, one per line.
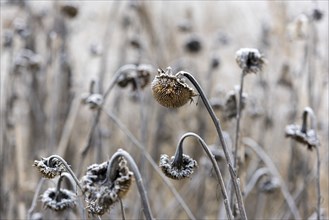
column 138, row 177
column 69, row 177
column 222, row 141
column 67, row 168
column 179, row 150
column 269, row 163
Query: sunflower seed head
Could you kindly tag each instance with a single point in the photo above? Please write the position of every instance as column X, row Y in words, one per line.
column 58, row 200
column 185, row 170
column 170, row 91
column 49, row 168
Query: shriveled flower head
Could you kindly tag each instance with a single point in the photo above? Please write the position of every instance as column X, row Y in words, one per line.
column 307, row 137
column 49, row 167
column 101, row 190
column 230, row 108
column 141, row 76
column 249, row 60
column 70, row 10
column 170, row 90
column 94, row 100
column 193, row 44
column 182, row 170
column 58, row 200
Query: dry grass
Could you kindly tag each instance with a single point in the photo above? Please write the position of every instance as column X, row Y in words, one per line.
column 48, row 61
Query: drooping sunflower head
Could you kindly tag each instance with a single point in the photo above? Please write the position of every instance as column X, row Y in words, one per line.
column 170, row 90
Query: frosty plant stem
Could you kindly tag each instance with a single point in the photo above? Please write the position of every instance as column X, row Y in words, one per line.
column 238, row 117
column 309, row 112
column 67, row 168
column 138, row 177
column 179, row 153
column 222, row 141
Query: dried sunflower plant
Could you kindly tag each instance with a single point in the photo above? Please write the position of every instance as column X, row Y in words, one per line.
column 182, row 166
column 102, row 186
column 171, row 91
column 307, row 135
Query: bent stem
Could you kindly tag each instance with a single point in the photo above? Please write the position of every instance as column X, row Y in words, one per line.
column 222, row 140
column 69, row 177
column 269, row 163
column 67, row 168
column 179, row 152
column 138, row 177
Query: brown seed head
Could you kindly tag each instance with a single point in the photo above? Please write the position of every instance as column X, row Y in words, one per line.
column 171, row 91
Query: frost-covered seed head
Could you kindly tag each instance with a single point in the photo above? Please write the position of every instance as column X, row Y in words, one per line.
column 49, row 168
column 171, row 91
column 185, row 170
column 58, row 200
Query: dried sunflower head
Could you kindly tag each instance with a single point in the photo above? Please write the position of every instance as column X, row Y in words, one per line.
column 94, row 100
column 58, row 200
column 141, row 76
column 249, row 60
column 179, row 171
column 69, row 10
column 49, row 168
column 170, row 90
column 230, row 108
column 307, row 137
column 103, row 191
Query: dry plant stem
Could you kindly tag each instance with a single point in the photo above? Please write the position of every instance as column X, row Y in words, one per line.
column 309, row 112
column 121, row 70
column 69, row 177
column 222, row 141
column 269, row 163
column 68, row 127
column 237, row 133
column 318, row 184
column 35, row 198
column 237, row 128
column 138, row 177
column 151, row 161
column 179, row 153
column 122, row 209
column 67, row 168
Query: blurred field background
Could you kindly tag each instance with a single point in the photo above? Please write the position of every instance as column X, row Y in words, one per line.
column 52, row 50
